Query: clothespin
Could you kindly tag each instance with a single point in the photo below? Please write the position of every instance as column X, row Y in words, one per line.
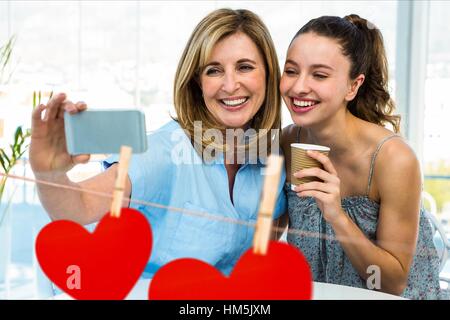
column 2, row 125
column 119, row 187
column 267, row 205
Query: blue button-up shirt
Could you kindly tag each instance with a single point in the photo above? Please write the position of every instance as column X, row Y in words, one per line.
column 172, row 174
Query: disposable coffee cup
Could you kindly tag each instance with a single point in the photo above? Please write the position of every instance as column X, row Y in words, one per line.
column 300, row 160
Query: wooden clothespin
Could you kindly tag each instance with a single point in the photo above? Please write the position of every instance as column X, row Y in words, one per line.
column 119, row 187
column 267, row 205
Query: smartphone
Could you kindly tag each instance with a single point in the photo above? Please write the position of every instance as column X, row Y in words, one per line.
column 100, row 131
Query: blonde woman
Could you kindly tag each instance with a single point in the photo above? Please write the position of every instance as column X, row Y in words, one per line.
column 227, row 78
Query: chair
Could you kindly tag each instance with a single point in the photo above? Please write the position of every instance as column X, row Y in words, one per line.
column 437, row 227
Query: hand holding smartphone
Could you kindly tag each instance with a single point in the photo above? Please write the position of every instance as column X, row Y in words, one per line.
column 105, row 131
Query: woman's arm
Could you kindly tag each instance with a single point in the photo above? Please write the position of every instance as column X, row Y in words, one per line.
column 50, row 162
column 398, row 180
column 81, row 207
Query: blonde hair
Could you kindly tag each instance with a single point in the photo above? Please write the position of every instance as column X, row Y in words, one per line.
column 188, row 99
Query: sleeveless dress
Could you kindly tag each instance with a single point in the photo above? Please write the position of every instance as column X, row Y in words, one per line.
column 326, row 256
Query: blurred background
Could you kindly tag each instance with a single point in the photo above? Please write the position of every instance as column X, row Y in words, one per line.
column 123, row 54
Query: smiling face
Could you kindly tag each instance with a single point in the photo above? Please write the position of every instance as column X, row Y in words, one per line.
column 315, row 84
column 233, row 82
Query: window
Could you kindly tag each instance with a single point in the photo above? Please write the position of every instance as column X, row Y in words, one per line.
column 128, row 56
column 437, row 111
column 125, row 53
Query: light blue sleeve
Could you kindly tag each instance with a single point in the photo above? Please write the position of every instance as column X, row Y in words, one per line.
column 151, row 172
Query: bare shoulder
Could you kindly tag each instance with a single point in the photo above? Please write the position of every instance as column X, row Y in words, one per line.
column 394, row 151
column 397, row 154
column 397, row 168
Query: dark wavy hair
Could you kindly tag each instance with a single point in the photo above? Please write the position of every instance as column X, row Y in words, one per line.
column 362, row 43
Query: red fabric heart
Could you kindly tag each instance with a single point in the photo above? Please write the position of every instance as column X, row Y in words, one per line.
column 102, row 265
column 282, row 274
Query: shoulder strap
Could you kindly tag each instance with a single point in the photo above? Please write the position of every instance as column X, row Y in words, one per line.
column 372, row 163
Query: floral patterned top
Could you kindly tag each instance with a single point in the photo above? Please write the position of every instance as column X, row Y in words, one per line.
column 326, row 257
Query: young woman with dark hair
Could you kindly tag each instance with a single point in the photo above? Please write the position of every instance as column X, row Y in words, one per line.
column 365, row 214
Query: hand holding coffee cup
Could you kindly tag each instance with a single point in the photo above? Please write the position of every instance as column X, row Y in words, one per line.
column 300, row 160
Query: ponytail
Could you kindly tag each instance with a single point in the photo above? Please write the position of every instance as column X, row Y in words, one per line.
column 373, row 101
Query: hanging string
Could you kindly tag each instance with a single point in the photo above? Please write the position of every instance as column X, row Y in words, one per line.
column 197, row 213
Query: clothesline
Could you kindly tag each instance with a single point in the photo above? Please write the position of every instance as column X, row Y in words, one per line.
column 197, row 213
